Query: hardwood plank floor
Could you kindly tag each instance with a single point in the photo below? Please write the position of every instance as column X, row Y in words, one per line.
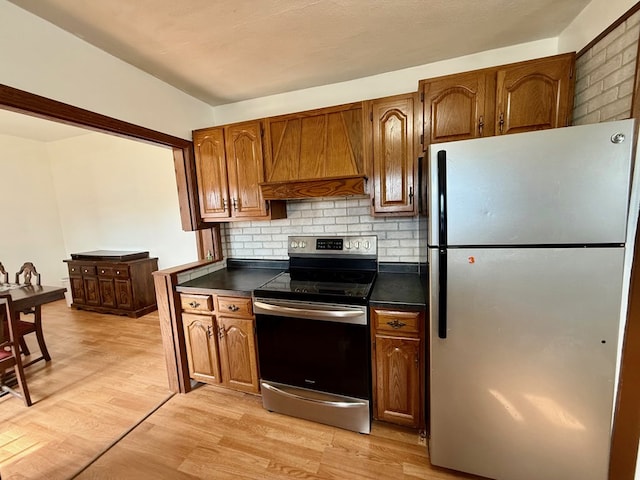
column 103, row 411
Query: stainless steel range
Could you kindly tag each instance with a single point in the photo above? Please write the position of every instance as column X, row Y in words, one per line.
column 313, row 332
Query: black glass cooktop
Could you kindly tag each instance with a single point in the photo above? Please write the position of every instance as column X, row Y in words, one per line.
column 352, row 287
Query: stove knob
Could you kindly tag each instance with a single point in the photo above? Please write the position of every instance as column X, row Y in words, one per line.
column 303, row 244
column 357, row 245
column 348, row 245
column 294, row 244
column 366, row 245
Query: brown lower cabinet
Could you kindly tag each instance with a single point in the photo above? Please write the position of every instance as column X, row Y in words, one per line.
column 219, row 336
column 398, row 364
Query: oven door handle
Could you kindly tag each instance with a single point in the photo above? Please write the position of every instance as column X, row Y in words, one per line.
column 309, row 312
column 313, row 400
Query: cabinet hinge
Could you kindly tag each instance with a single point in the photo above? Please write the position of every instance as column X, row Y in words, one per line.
column 373, row 201
column 571, row 73
column 371, row 116
column 422, row 139
column 422, row 96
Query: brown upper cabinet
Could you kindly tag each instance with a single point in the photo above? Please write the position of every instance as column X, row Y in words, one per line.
column 514, row 98
column 229, row 169
column 393, row 143
column 315, row 153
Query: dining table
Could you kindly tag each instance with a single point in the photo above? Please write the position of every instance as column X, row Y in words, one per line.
column 25, row 297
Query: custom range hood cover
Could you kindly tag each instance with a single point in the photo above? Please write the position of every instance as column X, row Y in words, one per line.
column 317, row 153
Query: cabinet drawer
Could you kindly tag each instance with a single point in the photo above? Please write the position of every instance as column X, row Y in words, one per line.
column 75, row 270
column 106, row 271
column 397, row 321
column 241, row 307
column 121, row 271
column 88, row 269
column 196, row 303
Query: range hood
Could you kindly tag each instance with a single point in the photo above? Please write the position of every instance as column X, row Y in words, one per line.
column 313, row 188
column 319, row 153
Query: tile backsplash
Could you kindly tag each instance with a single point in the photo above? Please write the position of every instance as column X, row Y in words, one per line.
column 397, row 236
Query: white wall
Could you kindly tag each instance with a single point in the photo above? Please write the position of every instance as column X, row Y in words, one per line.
column 92, row 192
column 591, row 22
column 30, row 223
column 40, row 58
column 119, row 194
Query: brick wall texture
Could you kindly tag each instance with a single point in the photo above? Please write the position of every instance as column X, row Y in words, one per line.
column 605, row 76
column 397, row 237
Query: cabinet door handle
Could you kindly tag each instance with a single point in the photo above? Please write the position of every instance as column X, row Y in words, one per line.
column 209, row 331
column 480, row 124
column 501, row 122
column 224, row 204
column 233, row 308
column 194, row 304
column 235, row 204
column 410, row 195
column 396, row 324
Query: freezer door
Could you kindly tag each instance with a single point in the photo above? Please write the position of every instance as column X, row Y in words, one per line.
column 560, row 186
column 522, row 386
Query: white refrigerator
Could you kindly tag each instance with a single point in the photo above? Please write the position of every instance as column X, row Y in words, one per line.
column 528, row 258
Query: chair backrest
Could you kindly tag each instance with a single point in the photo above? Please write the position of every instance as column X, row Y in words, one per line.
column 28, row 270
column 5, row 275
column 5, row 314
column 10, row 349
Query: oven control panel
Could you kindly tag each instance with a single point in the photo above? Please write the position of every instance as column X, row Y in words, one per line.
column 331, row 246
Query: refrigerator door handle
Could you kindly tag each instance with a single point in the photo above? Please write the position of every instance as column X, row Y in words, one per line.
column 442, row 251
column 442, row 196
column 442, row 293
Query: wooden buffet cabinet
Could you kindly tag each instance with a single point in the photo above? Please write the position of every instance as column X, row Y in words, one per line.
column 398, row 366
column 115, row 282
column 219, row 333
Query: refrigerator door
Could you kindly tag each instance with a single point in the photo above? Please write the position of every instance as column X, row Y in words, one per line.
column 560, row 186
column 521, row 388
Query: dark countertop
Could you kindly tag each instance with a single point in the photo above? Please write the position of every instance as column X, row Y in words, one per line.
column 397, row 290
column 230, row 281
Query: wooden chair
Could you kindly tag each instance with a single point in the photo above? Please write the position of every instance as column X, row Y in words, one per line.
column 10, row 351
column 25, row 327
column 5, row 275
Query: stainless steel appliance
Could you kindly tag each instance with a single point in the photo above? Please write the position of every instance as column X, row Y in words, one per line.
column 313, row 332
column 528, row 261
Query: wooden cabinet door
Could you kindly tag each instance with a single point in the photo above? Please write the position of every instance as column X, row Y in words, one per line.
column 202, row 348
column 211, row 173
column 245, row 169
column 535, row 95
column 107, row 292
column 238, row 353
column 394, row 155
column 398, row 380
column 91, row 290
column 77, row 289
column 458, row 107
column 124, row 294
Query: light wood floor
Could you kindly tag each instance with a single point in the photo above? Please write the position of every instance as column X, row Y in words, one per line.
column 102, row 411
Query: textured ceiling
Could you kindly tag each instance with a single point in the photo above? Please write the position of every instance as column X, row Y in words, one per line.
column 224, row 51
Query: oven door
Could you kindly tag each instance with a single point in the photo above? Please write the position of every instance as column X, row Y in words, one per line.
column 315, row 356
